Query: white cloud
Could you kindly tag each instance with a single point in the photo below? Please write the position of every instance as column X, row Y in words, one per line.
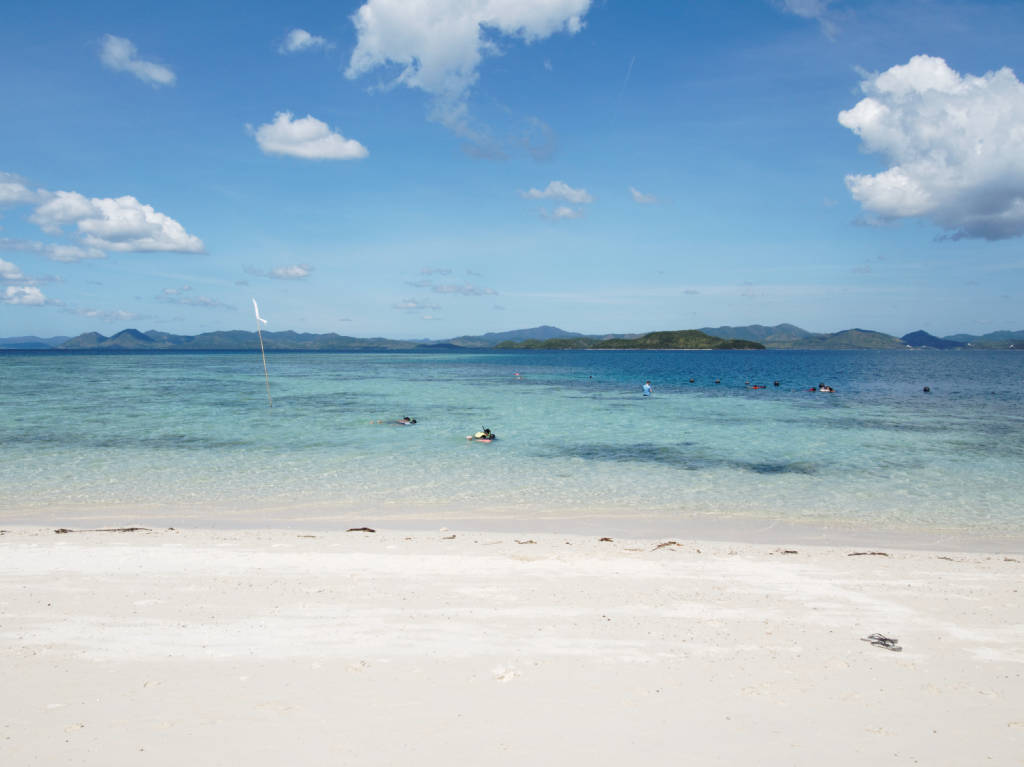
column 440, row 44
column 9, row 272
column 412, row 305
column 50, row 250
column 13, row 190
column 306, row 137
column 26, row 295
column 294, row 272
column 123, row 225
column 640, row 197
column 811, row 9
column 562, row 190
column 300, row 40
column 954, row 144
column 121, row 55
column 70, row 253
column 562, row 212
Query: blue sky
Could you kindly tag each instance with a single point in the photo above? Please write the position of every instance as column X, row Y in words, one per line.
column 426, row 170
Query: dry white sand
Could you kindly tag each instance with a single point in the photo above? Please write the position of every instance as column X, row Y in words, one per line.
column 247, row 648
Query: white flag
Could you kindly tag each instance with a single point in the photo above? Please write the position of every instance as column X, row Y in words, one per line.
column 257, row 308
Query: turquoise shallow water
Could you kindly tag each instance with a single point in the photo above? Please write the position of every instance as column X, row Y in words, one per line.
column 191, row 434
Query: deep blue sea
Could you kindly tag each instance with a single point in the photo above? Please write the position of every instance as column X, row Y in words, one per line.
column 191, row 436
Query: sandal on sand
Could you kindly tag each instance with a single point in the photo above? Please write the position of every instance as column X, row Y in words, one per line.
column 879, row 640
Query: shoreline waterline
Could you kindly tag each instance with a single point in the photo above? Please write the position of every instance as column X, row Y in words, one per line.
column 744, row 530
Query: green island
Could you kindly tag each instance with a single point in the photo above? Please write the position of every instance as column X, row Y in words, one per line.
column 661, row 339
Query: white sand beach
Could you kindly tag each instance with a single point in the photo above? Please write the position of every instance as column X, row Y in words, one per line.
column 273, row 647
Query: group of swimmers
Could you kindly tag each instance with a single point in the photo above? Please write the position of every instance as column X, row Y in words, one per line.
column 648, row 390
column 486, row 435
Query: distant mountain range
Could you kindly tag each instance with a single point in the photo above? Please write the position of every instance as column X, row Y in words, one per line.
column 783, row 336
column 791, row 337
column 32, row 342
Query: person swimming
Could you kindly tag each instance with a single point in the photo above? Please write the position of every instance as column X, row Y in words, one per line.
column 483, row 436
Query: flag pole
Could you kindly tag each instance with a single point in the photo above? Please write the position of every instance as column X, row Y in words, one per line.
column 263, row 354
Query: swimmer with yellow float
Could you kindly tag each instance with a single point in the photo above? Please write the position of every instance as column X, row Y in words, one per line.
column 483, row 436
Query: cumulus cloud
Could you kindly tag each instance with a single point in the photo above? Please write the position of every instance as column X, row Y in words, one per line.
column 954, row 145
column 293, row 272
column 300, row 40
column 439, row 45
column 25, row 295
column 306, row 137
column 122, row 225
column 9, row 272
column 561, row 190
column 640, row 197
column 50, row 250
column 120, row 54
column 13, row 190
